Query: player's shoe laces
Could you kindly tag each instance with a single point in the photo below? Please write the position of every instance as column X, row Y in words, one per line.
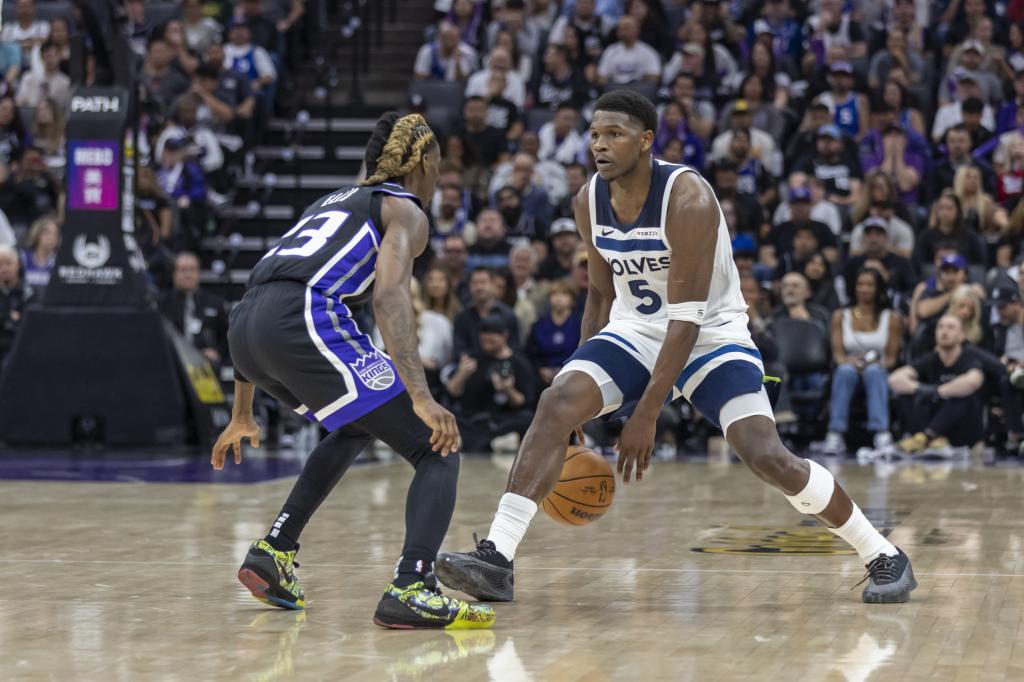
column 484, row 573
column 270, row 575
column 421, row 605
column 891, row 579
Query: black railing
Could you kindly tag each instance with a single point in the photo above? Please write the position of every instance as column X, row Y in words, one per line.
column 346, row 30
column 359, row 22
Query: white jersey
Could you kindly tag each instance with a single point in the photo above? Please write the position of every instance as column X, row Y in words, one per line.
column 639, row 256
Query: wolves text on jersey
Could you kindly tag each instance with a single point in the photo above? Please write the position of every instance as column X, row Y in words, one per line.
column 639, row 265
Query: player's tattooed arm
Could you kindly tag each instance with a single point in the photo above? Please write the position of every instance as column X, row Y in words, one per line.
column 692, row 232
column 405, row 237
column 600, row 290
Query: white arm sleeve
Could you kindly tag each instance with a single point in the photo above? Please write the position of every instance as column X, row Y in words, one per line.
column 264, row 64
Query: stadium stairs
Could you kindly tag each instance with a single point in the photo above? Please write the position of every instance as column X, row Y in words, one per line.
column 315, row 143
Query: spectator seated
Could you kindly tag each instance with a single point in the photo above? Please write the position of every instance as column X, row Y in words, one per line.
column 866, row 340
column 494, row 390
column 939, row 394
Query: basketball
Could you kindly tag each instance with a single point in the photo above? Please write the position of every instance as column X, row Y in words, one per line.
column 584, row 490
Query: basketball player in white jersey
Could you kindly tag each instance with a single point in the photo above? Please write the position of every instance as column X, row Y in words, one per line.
column 664, row 318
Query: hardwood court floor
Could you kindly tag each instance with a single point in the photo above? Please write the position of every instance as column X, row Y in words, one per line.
column 134, row 581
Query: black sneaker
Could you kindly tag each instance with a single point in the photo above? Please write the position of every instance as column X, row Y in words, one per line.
column 484, row 573
column 890, row 579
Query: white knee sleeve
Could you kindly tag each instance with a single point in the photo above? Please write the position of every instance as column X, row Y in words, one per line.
column 817, row 493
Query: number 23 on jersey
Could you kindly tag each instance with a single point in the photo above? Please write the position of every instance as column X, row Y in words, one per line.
column 316, row 237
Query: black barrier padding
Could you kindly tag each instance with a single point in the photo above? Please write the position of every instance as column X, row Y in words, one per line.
column 103, row 374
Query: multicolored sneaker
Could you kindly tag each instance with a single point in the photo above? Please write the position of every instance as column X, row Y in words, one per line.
column 270, row 575
column 421, row 606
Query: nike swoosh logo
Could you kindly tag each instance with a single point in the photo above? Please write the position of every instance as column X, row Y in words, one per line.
column 605, row 234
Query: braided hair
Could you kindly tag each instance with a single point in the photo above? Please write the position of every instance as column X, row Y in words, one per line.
column 396, row 146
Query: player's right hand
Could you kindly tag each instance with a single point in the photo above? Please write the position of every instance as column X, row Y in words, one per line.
column 232, row 437
column 445, row 438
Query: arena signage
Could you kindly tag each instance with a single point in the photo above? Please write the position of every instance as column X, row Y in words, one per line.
column 99, row 262
column 93, row 175
column 136, row 382
column 95, row 105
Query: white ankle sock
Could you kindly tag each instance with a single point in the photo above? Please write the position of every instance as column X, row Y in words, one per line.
column 510, row 523
column 863, row 537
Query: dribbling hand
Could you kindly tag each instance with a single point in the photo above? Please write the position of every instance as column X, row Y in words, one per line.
column 232, row 437
column 635, row 445
column 445, row 437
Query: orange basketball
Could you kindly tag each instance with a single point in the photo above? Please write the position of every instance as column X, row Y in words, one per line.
column 585, row 488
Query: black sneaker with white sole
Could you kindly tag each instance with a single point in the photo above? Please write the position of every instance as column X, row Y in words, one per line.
column 890, row 579
column 483, row 573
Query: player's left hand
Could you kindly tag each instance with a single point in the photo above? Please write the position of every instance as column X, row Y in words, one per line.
column 232, row 437
column 635, row 445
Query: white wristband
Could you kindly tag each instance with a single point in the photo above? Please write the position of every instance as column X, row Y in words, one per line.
column 690, row 311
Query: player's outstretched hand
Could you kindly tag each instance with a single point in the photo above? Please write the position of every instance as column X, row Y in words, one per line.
column 232, row 438
column 635, row 445
column 445, row 437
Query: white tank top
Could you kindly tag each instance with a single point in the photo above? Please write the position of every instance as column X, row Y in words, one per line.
column 639, row 256
column 858, row 343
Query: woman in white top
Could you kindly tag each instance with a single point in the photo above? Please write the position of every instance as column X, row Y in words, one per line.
column 522, row 62
column 866, row 341
column 439, row 294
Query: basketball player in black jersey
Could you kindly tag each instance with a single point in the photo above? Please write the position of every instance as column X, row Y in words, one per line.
column 294, row 335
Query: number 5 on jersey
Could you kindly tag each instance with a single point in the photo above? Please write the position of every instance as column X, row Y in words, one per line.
column 637, row 288
column 317, row 236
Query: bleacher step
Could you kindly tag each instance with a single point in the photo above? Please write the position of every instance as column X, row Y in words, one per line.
column 358, row 125
column 288, row 181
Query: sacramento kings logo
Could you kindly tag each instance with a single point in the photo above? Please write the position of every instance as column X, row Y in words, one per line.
column 374, row 371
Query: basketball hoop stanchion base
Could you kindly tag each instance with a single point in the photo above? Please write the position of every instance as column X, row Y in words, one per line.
column 93, row 362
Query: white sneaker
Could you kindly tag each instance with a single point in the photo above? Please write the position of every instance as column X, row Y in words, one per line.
column 883, row 440
column 665, row 451
column 834, row 444
column 507, row 444
column 866, row 455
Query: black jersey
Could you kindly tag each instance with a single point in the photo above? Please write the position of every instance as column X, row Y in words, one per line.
column 298, row 340
column 333, row 247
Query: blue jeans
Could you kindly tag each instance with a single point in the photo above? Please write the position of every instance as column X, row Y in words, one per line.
column 876, row 388
column 807, row 382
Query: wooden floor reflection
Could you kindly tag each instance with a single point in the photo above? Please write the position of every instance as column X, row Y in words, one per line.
column 135, row 581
